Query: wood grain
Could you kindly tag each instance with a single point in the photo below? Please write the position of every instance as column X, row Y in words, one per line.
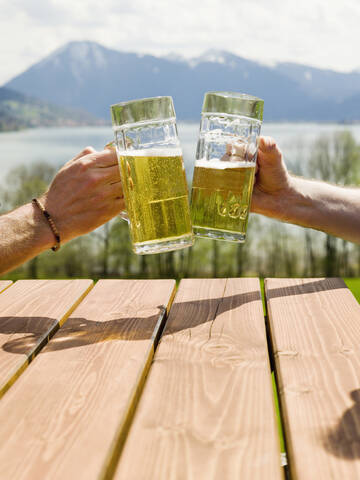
column 207, row 409
column 30, row 312
column 65, row 417
column 4, row 284
column 315, row 330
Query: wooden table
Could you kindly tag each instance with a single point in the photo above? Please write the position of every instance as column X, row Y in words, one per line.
column 98, row 402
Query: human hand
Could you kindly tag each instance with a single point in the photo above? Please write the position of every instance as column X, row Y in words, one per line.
column 85, row 193
column 272, row 181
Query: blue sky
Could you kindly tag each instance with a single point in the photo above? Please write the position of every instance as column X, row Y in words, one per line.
column 323, row 33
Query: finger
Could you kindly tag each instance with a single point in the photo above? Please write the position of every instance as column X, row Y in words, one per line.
column 118, row 205
column 110, row 146
column 86, row 151
column 104, row 159
column 268, row 145
column 110, row 175
column 114, row 190
column 268, row 149
column 239, row 150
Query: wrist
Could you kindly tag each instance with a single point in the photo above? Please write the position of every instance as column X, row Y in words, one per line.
column 299, row 207
column 277, row 203
column 57, row 217
column 38, row 224
column 23, row 235
column 37, row 203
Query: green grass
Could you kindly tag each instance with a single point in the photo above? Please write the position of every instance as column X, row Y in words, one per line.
column 354, row 286
column 277, row 412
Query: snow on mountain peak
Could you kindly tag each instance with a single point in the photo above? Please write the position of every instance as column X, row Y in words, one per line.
column 214, row 56
column 82, row 54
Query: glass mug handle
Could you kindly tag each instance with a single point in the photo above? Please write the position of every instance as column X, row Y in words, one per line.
column 111, row 146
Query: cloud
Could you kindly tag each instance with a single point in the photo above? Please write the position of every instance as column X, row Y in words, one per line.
column 317, row 32
column 42, row 12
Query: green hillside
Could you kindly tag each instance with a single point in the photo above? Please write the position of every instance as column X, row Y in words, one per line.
column 18, row 111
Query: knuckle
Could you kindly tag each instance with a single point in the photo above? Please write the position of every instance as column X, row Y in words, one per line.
column 82, row 165
column 271, row 144
column 92, row 180
column 88, row 150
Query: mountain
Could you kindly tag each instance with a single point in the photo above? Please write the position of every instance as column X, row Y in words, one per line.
column 19, row 111
column 320, row 83
column 89, row 76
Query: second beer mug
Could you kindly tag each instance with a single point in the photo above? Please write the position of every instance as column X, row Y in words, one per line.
column 225, row 165
column 152, row 175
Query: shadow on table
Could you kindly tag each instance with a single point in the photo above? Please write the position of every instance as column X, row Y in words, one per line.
column 313, row 286
column 77, row 332
column 344, row 440
column 184, row 315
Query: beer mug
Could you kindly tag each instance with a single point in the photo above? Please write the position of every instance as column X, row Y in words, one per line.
column 225, row 165
column 152, row 174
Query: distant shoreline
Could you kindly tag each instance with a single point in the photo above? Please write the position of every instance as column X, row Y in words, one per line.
column 179, row 121
column 19, row 128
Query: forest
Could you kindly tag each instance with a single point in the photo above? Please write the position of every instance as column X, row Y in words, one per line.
column 271, row 249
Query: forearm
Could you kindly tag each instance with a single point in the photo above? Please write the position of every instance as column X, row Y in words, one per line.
column 24, row 233
column 319, row 205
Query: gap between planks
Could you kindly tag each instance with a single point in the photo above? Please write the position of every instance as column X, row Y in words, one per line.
column 117, row 445
column 31, row 311
column 86, row 380
column 315, row 332
column 207, row 410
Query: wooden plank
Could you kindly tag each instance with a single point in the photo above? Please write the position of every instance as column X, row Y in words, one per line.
column 315, row 330
column 30, row 312
column 207, row 408
column 67, row 414
column 4, row 284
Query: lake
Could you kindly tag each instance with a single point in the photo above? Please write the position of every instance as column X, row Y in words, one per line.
column 57, row 145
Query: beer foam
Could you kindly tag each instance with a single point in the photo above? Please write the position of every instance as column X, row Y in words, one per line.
column 222, row 165
column 151, row 152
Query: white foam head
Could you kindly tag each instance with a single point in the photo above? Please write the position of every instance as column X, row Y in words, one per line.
column 151, row 152
column 222, row 165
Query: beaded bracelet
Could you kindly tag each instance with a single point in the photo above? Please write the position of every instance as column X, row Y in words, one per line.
column 51, row 223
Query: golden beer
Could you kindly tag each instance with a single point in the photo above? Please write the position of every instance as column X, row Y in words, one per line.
column 156, row 197
column 220, row 199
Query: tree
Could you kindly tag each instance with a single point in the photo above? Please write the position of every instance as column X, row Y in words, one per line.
column 310, row 263
column 121, row 254
column 270, row 249
column 24, row 183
